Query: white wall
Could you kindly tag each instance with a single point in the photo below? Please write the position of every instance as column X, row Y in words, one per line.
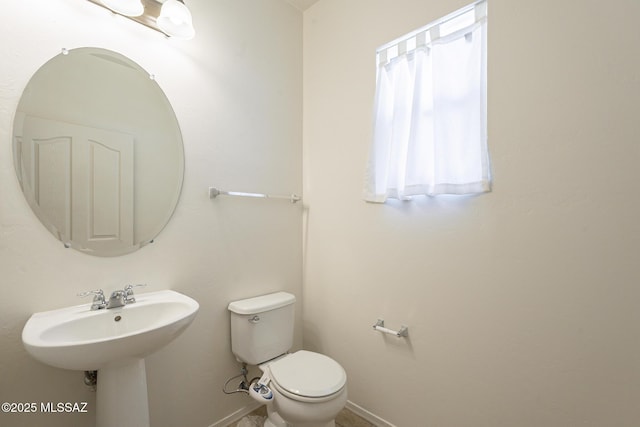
column 237, row 92
column 522, row 304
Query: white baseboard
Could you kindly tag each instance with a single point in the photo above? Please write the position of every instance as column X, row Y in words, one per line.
column 363, row 413
column 237, row 415
column 356, row 409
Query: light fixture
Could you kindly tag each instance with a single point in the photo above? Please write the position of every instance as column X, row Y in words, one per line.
column 125, row 7
column 175, row 20
column 170, row 17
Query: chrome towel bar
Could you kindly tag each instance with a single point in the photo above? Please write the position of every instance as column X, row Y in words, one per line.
column 215, row 192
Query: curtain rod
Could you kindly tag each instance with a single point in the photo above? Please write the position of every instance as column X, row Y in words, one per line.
column 449, row 17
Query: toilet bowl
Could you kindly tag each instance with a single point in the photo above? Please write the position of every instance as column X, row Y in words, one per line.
column 309, row 389
column 301, row 389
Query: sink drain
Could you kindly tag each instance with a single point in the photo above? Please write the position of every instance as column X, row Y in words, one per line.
column 118, row 318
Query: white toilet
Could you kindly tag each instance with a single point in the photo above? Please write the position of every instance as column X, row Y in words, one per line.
column 301, row 389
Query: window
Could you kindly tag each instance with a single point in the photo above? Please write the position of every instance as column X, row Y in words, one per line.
column 430, row 115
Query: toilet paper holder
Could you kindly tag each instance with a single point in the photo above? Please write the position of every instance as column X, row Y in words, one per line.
column 403, row 332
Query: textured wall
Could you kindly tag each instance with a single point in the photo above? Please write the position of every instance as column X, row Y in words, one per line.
column 522, row 304
column 236, row 90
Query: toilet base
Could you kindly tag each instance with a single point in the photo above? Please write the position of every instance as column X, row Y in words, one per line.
column 275, row 420
column 268, row 423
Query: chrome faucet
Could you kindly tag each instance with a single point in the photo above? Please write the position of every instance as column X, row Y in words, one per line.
column 117, row 299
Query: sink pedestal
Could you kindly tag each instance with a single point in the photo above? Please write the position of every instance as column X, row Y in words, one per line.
column 121, row 395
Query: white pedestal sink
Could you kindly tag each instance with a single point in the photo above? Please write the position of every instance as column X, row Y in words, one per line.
column 114, row 342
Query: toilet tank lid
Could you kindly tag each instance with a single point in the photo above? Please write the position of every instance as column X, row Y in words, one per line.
column 262, row 303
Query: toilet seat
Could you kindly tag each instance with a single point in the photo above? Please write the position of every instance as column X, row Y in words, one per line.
column 305, row 375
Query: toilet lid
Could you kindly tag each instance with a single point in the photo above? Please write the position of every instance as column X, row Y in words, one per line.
column 308, row 374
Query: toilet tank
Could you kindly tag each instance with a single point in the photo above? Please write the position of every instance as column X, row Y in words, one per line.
column 262, row 327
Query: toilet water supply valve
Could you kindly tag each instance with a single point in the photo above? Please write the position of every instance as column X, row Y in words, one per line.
column 245, row 385
column 257, row 388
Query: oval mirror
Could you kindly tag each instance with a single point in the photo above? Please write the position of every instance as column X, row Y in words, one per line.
column 98, row 151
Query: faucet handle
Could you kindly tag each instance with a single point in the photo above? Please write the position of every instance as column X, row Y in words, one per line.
column 97, row 292
column 98, row 298
column 128, row 292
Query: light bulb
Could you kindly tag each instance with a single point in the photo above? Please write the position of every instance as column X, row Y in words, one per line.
column 175, row 20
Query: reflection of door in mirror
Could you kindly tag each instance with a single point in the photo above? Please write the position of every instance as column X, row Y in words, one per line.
column 82, row 177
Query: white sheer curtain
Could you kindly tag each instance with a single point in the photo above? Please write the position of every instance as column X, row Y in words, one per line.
column 430, row 112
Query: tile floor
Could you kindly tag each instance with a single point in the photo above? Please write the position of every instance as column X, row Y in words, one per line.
column 345, row 418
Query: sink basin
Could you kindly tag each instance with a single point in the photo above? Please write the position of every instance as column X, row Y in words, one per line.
column 113, row 342
column 80, row 339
